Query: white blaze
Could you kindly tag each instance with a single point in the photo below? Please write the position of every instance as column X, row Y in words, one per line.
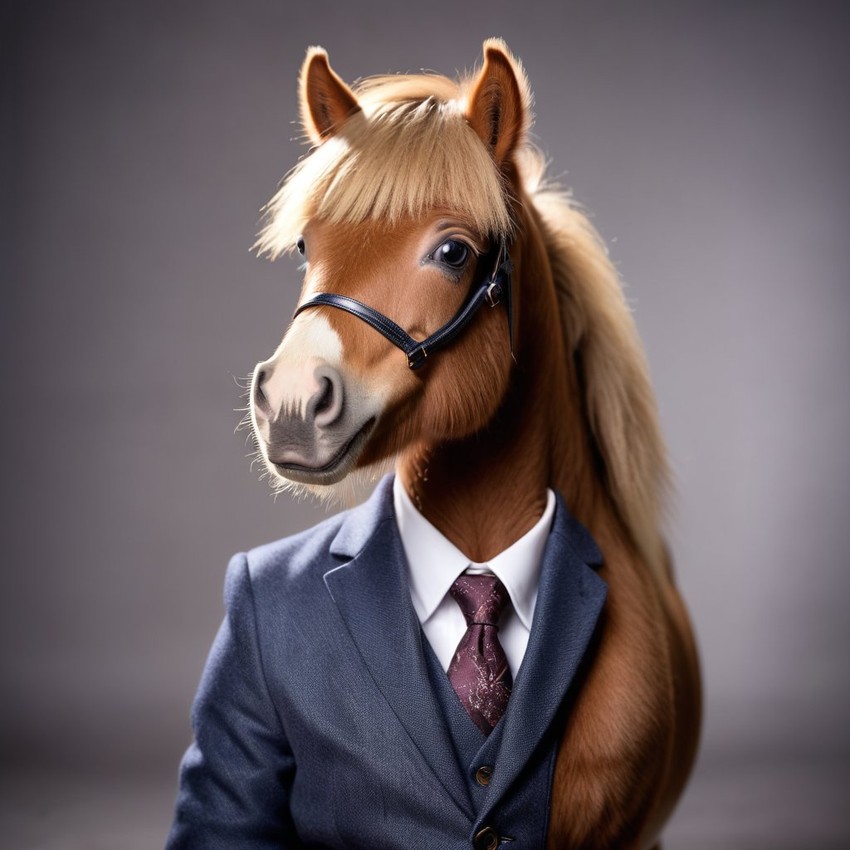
column 310, row 342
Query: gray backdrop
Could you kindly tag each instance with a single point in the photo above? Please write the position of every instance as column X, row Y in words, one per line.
column 710, row 142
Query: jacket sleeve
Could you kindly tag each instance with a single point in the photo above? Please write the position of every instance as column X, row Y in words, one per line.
column 236, row 777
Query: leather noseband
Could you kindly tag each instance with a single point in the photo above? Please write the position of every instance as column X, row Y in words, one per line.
column 493, row 290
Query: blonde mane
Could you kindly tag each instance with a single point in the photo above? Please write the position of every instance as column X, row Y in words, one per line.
column 602, row 339
column 410, row 150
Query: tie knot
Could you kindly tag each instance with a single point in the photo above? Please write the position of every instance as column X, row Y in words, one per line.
column 481, row 598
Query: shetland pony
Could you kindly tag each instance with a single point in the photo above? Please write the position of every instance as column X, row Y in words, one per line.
column 412, row 187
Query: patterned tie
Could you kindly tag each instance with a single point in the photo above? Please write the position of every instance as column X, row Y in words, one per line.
column 479, row 670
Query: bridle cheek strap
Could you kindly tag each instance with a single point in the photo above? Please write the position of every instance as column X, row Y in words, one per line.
column 494, row 290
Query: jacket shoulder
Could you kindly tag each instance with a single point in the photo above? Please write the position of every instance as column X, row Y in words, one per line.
column 296, row 553
column 325, row 545
column 298, row 560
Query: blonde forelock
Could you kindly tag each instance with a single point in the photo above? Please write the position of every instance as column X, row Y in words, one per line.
column 409, row 150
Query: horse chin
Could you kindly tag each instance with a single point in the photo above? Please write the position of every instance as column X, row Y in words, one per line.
column 332, row 471
column 346, row 492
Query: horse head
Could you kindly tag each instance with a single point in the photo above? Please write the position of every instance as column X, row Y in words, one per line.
column 401, row 210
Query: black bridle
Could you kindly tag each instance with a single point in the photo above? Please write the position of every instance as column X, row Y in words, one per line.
column 493, row 290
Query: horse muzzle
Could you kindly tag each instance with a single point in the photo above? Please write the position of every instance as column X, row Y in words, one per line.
column 310, row 426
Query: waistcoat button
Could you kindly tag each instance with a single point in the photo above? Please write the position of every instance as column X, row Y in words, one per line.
column 484, row 774
column 486, row 839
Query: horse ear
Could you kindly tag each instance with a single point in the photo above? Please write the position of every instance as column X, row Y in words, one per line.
column 326, row 101
column 499, row 103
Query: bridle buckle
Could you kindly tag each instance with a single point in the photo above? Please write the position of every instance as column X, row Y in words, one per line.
column 494, row 294
column 417, row 357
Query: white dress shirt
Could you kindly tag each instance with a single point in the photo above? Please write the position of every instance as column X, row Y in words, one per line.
column 434, row 563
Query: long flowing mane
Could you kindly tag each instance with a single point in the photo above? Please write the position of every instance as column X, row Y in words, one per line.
column 410, row 150
column 601, row 337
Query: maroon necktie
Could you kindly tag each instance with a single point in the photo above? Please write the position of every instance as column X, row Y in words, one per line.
column 479, row 670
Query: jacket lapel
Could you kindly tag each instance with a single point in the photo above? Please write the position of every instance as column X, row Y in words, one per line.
column 372, row 595
column 569, row 601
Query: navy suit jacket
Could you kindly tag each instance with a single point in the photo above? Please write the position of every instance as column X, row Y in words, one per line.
column 316, row 724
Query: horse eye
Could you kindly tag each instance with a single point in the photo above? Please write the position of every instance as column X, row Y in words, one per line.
column 452, row 253
column 302, row 248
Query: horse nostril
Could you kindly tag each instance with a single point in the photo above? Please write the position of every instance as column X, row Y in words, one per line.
column 261, row 402
column 324, row 398
column 327, row 404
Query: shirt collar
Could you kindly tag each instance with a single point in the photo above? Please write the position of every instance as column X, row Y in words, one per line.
column 435, row 562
